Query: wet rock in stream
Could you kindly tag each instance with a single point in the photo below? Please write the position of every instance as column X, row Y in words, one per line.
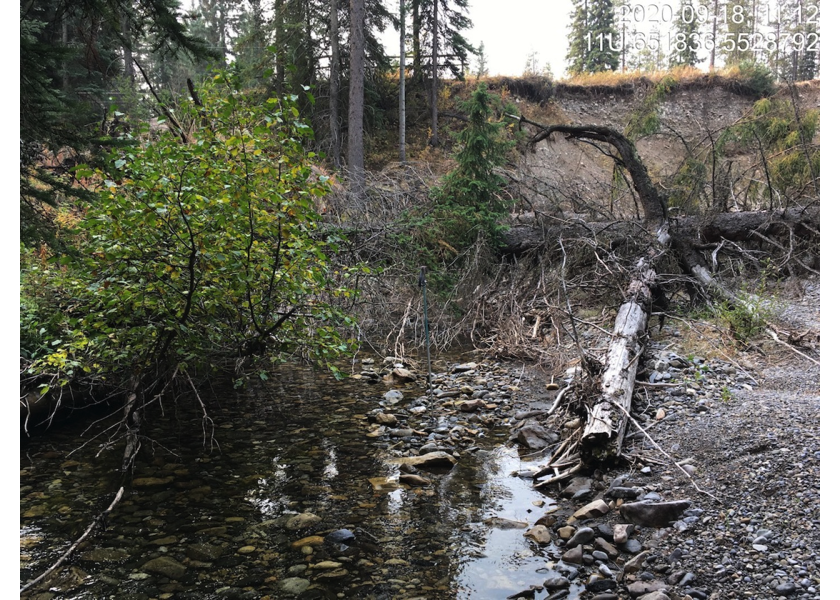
column 302, row 490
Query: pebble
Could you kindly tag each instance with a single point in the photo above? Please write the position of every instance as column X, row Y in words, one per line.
column 584, row 535
column 574, row 556
column 393, row 396
column 741, row 531
column 786, row 589
column 594, row 509
column 294, row 585
column 540, row 534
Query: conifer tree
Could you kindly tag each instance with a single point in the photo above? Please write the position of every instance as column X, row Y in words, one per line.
column 797, row 22
column 450, row 18
column 481, row 62
column 685, row 41
column 472, row 195
column 594, row 42
column 739, row 23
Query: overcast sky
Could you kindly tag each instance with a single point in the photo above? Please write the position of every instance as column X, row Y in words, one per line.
column 512, row 29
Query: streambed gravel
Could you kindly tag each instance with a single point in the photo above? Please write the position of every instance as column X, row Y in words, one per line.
column 748, row 430
column 745, row 425
column 759, row 454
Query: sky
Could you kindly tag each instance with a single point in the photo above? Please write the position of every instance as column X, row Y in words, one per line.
column 512, row 29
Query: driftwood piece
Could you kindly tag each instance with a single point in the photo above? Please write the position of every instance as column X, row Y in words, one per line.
column 604, row 431
column 100, row 518
column 561, row 477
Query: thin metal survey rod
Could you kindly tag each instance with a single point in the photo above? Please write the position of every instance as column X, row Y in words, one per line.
column 422, row 282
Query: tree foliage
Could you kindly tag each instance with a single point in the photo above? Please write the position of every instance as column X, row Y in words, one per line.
column 472, row 195
column 72, row 61
column 594, row 40
column 195, row 255
column 782, row 138
column 453, row 48
column 686, row 39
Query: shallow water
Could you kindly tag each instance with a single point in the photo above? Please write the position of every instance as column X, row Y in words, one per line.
column 217, row 501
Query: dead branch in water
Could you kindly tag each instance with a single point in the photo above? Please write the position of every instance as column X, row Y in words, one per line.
column 75, row 545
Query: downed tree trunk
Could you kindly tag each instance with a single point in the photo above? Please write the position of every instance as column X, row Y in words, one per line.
column 653, row 203
column 604, row 431
column 738, row 226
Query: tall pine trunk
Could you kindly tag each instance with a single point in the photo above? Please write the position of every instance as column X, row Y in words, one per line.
column 434, row 141
column 417, row 67
column 279, row 42
column 128, row 55
column 355, row 133
column 402, row 81
column 714, row 36
column 335, row 138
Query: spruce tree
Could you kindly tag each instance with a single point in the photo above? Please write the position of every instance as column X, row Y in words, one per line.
column 594, row 41
column 451, row 20
column 685, row 40
column 481, row 69
column 740, row 18
column 472, row 195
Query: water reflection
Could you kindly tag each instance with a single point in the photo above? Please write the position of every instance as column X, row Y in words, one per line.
column 298, row 444
column 331, row 462
column 508, row 561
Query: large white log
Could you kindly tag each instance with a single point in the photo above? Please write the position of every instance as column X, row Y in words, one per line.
column 604, row 431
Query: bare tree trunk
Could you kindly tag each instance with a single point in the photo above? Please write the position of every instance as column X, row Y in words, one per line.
column 355, row 139
column 434, row 141
column 128, row 56
column 279, row 42
column 222, row 27
column 732, row 226
column 417, row 68
column 714, row 37
column 402, row 81
column 335, row 138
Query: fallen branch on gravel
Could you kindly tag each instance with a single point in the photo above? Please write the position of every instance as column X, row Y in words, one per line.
column 75, row 545
column 675, row 463
column 559, row 399
column 775, row 337
column 567, row 474
column 657, row 385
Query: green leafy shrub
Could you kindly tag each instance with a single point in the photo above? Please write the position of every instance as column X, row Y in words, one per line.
column 748, row 317
column 194, row 255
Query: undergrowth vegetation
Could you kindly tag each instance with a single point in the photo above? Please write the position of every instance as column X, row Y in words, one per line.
column 205, row 257
column 196, row 257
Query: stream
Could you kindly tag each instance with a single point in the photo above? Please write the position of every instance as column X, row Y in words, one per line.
column 290, row 495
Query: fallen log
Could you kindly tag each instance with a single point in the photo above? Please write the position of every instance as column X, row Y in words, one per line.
column 604, row 432
column 528, row 233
